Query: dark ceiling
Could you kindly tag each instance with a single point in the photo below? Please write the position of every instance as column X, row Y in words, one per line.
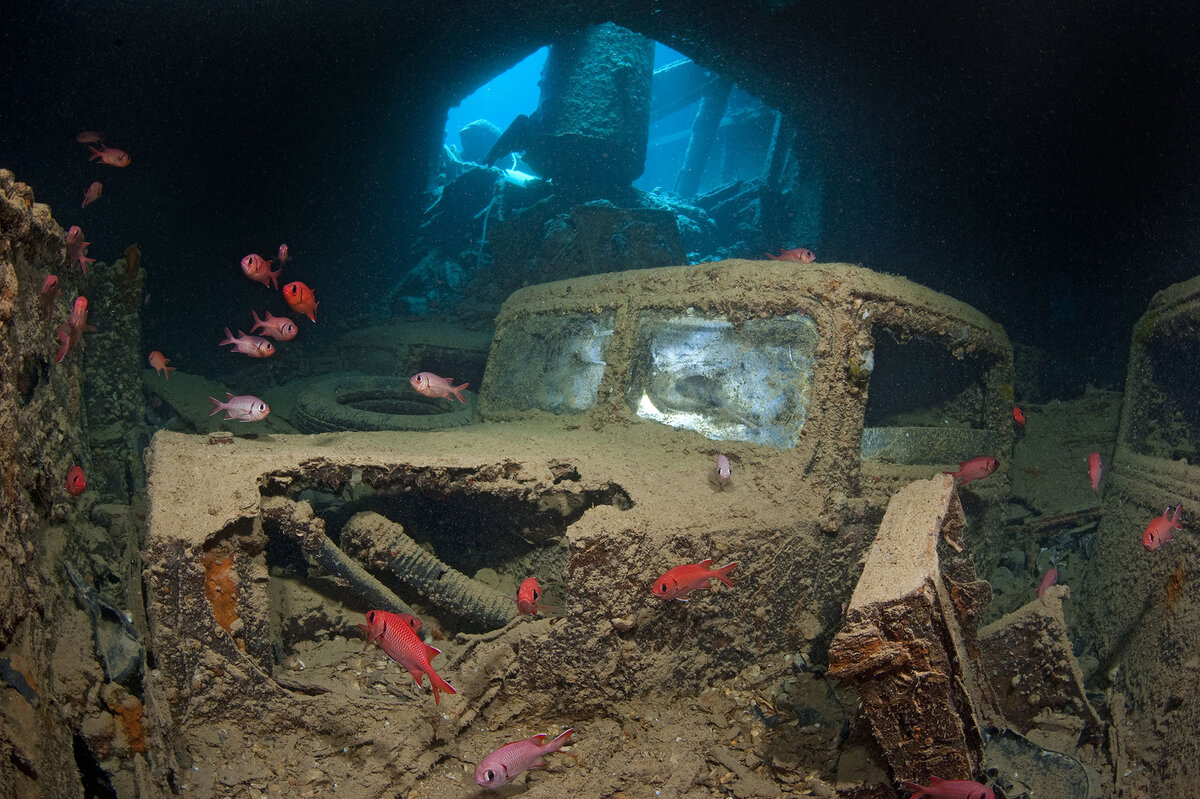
column 1005, row 153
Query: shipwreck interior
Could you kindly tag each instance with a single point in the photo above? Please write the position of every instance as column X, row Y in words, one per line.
column 735, row 285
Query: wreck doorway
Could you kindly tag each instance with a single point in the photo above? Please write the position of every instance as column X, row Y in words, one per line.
column 621, row 154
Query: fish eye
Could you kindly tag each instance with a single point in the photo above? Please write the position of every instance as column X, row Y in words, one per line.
column 489, row 775
column 662, row 587
column 536, row 594
column 370, row 615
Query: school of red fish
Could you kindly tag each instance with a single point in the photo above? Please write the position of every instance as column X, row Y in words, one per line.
column 397, row 634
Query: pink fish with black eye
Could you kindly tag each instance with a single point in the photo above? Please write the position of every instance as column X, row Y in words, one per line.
column 279, row 328
column 1158, row 532
column 110, row 155
column 92, row 194
column 50, row 292
column 1094, row 470
column 77, row 249
column 680, row 581
column 504, row 764
column 724, row 471
column 282, row 257
column 90, row 137
column 254, row 346
column 70, row 333
column 401, row 643
column 801, row 255
column 974, row 469
column 950, row 789
column 430, row 385
column 244, row 408
column 257, row 268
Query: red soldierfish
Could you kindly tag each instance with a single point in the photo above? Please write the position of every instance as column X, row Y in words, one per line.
column 244, row 408
column 407, row 618
column 50, row 292
column 90, row 137
column 283, row 254
column 400, row 642
column 1094, row 470
column 255, row 267
column 110, row 155
column 950, row 789
column 504, row 764
column 801, row 255
column 279, row 328
column 1048, row 579
column 159, row 362
column 1158, row 532
column 77, row 248
column 974, row 469
column 431, row 385
column 300, row 298
column 92, row 194
column 1018, row 416
column 76, row 480
column 254, row 346
column 682, row 580
column 527, row 598
column 70, row 333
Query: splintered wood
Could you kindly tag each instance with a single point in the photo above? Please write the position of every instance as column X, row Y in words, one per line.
column 905, row 640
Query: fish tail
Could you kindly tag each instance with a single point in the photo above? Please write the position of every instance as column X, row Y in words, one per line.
column 436, row 682
column 228, row 340
column 723, row 572
column 912, row 786
column 457, row 391
column 217, row 405
column 558, row 742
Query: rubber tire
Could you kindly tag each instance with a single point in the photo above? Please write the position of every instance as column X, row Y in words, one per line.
column 323, row 406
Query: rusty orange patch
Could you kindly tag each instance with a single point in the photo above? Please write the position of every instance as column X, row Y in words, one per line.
column 219, row 587
column 130, row 718
column 1174, row 588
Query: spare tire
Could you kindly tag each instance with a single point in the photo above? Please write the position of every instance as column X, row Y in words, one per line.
column 369, row 402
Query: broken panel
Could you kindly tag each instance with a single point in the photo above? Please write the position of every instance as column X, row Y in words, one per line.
column 701, row 372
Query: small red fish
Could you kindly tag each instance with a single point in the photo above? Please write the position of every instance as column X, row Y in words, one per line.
column 254, row 346
column 159, row 362
column 1095, row 468
column 50, row 292
column 279, row 328
column 76, row 480
column 1048, row 579
column 110, row 155
column 244, row 408
column 682, row 580
column 1158, row 532
column 504, row 764
column 401, row 643
column 801, row 255
column 430, row 385
column 70, row 333
column 255, row 267
column 89, row 137
column 77, row 249
column 950, row 789
column 92, row 194
column 1018, row 416
column 974, row 469
column 300, row 298
column 724, row 471
column 283, row 254
column 527, row 598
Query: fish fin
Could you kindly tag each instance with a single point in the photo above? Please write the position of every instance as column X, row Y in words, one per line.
column 912, row 786
column 228, row 339
column 216, row 405
column 436, row 682
column 706, row 563
column 722, row 573
column 431, row 651
column 457, row 391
